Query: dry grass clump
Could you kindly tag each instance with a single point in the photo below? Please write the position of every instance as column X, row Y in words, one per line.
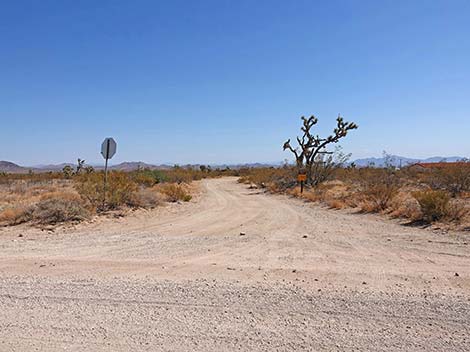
column 378, row 189
column 148, row 198
column 57, row 210
column 14, row 216
column 404, row 205
column 174, row 192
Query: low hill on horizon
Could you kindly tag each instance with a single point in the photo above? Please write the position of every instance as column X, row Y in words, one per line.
column 401, row 161
column 395, row 160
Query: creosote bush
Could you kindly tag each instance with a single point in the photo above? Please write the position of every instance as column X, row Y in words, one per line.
column 454, row 179
column 120, row 189
column 379, row 188
column 434, row 205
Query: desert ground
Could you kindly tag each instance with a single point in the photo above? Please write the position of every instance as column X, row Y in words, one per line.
column 235, row 269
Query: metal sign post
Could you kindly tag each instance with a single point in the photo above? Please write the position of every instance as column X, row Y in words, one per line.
column 301, row 178
column 108, row 149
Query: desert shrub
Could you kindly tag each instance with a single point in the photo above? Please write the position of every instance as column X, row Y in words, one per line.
column 15, row 215
column 378, row 188
column 120, row 189
column 147, row 198
column 434, row 205
column 404, row 205
column 57, row 210
column 454, row 178
column 180, row 174
column 274, row 179
column 174, row 192
column 148, row 177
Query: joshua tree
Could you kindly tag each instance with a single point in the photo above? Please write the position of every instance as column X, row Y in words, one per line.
column 80, row 165
column 312, row 147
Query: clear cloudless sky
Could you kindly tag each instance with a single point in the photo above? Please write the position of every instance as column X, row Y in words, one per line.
column 226, row 81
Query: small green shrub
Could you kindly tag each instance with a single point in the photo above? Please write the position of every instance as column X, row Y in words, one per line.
column 148, row 177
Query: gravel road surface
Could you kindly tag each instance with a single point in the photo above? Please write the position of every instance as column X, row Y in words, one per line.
column 235, row 270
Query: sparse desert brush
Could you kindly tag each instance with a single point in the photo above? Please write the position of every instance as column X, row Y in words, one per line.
column 404, row 205
column 57, row 210
column 274, row 179
column 244, row 180
column 60, row 194
column 148, row 177
column 378, row 188
column 15, row 216
column 336, row 203
column 180, row 174
column 434, row 205
column 120, row 189
column 148, row 198
column 453, row 178
column 174, row 192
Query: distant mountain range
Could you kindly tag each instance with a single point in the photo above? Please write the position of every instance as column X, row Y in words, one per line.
column 395, row 160
column 401, row 161
column 9, row 167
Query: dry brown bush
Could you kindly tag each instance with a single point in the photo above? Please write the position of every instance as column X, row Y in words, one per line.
column 274, row 179
column 57, row 210
column 148, row 198
column 454, row 178
column 404, row 205
column 436, row 206
column 120, row 189
column 378, row 189
column 174, row 192
column 14, row 216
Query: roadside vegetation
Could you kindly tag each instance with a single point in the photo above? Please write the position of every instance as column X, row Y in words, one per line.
column 438, row 193
column 76, row 194
column 421, row 196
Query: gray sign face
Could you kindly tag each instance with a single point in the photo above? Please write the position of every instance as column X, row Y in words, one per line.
column 108, row 148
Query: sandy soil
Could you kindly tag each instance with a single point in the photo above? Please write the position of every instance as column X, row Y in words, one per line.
column 235, row 269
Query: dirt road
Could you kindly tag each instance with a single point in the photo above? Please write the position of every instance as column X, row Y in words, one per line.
column 235, row 269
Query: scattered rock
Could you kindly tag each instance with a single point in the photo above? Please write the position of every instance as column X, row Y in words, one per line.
column 304, row 236
column 364, row 283
column 229, row 268
column 294, row 271
column 242, row 234
column 42, row 265
column 456, row 274
column 20, row 235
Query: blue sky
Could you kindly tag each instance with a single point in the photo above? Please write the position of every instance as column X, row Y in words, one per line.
column 226, row 81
